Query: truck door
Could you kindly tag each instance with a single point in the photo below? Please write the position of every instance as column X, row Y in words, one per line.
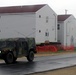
column 24, row 48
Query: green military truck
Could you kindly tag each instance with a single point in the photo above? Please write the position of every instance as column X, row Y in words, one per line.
column 12, row 48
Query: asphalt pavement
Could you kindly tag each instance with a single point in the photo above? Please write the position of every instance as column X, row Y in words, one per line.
column 41, row 63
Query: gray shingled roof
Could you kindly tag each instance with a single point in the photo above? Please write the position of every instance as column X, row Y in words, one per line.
column 21, row 9
column 63, row 17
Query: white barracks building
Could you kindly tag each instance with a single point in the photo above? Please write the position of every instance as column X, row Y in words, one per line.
column 67, row 30
column 38, row 21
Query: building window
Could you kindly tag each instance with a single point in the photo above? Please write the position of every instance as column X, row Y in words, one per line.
column 39, row 31
column 47, row 19
column 46, row 33
column 58, row 27
column 39, row 16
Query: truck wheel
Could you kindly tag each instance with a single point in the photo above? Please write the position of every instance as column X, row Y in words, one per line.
column 30, row 56
column 9, row 58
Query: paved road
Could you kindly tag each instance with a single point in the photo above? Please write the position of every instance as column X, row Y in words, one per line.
column 22, row 67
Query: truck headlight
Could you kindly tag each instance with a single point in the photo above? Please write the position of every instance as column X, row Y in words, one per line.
column 0, row 51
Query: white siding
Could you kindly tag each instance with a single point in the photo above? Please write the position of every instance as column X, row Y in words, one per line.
column 70, row 31
column 50, row 27
column 61, row 32
column 18, row 25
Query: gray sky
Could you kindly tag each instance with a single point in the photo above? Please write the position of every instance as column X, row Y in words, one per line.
column 58, row 6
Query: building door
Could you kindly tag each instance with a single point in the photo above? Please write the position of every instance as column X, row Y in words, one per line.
column 47, row 35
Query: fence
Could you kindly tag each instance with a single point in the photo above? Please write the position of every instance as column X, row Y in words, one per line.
column 47, row 48
column 54, row 48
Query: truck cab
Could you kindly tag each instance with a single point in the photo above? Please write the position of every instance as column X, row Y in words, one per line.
column 12, row 48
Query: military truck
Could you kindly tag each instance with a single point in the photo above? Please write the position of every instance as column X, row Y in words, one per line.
column 12, row 48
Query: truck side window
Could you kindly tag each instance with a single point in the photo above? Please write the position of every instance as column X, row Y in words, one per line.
column 24, row 45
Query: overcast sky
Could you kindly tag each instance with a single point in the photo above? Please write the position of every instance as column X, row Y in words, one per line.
column 58, row 6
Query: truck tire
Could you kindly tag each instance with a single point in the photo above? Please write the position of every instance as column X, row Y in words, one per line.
column 15, row 55
column 9, row 58
column 30, row 56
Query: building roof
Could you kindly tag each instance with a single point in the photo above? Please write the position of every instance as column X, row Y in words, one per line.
column 63, row 17
column 21, row 9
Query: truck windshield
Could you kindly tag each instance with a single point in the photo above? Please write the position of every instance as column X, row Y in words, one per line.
column 6, row 44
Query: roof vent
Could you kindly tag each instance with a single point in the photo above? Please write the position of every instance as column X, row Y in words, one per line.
column 66, row 11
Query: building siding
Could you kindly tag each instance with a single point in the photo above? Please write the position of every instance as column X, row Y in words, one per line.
column 21, row 25
column 50, row 27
